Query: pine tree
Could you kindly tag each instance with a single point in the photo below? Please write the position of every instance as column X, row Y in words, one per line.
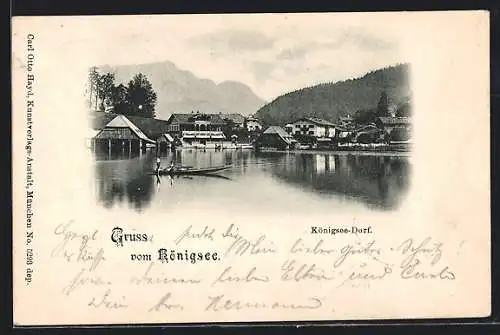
column 141, row 97
column 119, row 100
column 383, row 105
column 93, row 82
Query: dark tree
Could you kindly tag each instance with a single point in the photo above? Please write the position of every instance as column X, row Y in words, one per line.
column 365, row 116
column 228, row 127
column 93, row 82
column 119, row 100
column 105, row 87
column 141, row 97
column 383, row 105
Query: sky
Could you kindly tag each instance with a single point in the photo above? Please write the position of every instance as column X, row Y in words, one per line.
column 271, row 53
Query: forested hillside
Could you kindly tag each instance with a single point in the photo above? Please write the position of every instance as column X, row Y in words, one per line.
column 332, row 100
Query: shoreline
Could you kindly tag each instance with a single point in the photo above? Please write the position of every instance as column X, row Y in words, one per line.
column 372, row 152
column 344, row 152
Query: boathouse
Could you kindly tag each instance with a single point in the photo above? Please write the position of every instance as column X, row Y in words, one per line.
column 276, row 137
column 120, row 134
column 152, row 128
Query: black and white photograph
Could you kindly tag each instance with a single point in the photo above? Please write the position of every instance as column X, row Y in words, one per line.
column 300, row 118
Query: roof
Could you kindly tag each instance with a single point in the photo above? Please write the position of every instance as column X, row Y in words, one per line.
column 121, row 121
column 251, row 118
column 316, row 120
column 168, row 137
column 190, row 117
column 276, row 130
column 280, row 132
column 235, row 117
column 386, row 120
column 153, row 128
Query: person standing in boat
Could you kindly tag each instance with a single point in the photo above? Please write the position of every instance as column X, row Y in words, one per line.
column 158, row 164
column 171, row 167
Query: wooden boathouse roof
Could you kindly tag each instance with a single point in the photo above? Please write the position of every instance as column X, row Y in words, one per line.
column 152, row 128
column 118, row 125
column 121, row 121
column 280, row 132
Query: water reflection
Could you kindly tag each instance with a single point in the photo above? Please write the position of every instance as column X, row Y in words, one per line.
column 377, row 182
column 122, row 179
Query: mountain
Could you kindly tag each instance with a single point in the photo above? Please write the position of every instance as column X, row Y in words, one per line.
column 180, row 91
column 330, row 101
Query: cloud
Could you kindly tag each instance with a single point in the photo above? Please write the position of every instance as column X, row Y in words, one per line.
column 273, row 62
column 360, row 39
column 294, row 53
column 346, row 38
column 262, row 70
column 234, row 40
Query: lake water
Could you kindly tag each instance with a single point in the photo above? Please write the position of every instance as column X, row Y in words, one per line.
column 256, row 182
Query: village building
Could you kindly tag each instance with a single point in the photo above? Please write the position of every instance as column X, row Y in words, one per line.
column 311, row 126
column 121, row 134
column 276, row 138
column 389, row 124
column 179, row 122
column 252, row 124
column 197, row 130
column 205, row 139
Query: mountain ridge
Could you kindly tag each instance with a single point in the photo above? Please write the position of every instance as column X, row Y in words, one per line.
column 333, row 100
column 180, row 91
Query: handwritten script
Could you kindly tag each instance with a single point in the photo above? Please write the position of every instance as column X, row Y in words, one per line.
column 253, row 266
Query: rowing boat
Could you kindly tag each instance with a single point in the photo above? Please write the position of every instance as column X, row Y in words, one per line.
column 191, row 170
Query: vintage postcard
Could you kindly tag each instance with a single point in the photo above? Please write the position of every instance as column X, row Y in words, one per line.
column 250, row 167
